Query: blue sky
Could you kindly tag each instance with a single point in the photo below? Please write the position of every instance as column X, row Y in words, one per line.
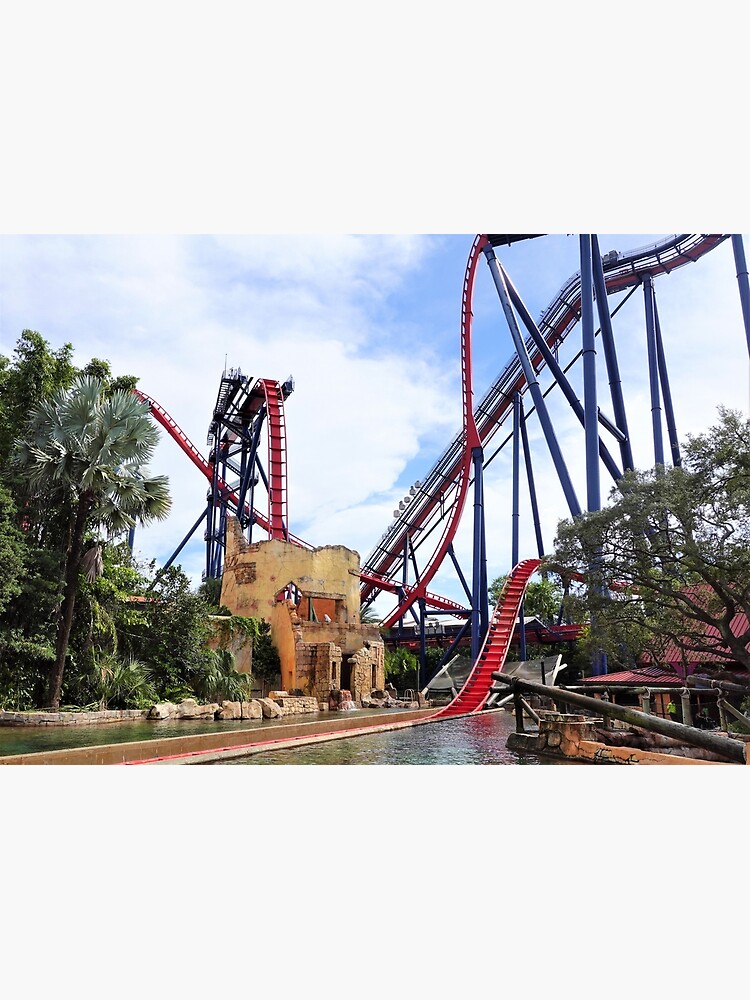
column 414, row 118
column 368, row 326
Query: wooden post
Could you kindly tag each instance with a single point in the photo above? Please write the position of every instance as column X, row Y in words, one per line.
column 518, row 706
column 722, row 714
column 646, row 702
column 687, row 714
column 605, row 697
column 530, row 711
column 733, row 711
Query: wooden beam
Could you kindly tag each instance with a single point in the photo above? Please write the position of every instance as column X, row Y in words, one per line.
column 726, row 747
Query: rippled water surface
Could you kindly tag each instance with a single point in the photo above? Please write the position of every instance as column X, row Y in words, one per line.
column 476, row 740
column 32, row 739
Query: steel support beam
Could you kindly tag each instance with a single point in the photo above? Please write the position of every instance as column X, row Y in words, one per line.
column 610, row 354
column 653, row 370
column 666, row 391
column 559, row 375
column 533, row 383
column 742, row 281
column 590, row 405
column 530, row 479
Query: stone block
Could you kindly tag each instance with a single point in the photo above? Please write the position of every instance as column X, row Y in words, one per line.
column 271, row 709
column 230, row 710
column 164, row 710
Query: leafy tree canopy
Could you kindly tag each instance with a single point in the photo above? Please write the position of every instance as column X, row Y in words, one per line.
column 669, row 558
column 87, row 449
column 542, row 599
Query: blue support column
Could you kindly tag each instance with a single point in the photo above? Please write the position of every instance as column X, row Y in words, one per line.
column 516, row 479
column 742, row 281
column 653, row 370
column 459, row 572
column 610, row 354
column 422, row 668
column 560, row 378
column 413, row 560
column 590, row 405
column 666, row 391
column 532, row 487
column 248, row 478
column 404, row 581
column 184, row 541
column 533, row 384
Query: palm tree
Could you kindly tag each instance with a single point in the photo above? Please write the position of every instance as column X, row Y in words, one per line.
column 88, row 449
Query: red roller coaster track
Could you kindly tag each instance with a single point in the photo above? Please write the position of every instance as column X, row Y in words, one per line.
column 474, row 694
column 450, row 478
column 453, row 471
column 276, row 520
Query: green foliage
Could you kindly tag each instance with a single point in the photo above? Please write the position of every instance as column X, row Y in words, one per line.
column 542, row 599
column 87, row 449
column 675, row 546
column 80, row 442
column 402, row 669
column 12, row 550
column 266, row 663
column 210, row 591
column 217, row 679
column 124, row 682
column 367, row 616
column 35, row 373
column 169, row 632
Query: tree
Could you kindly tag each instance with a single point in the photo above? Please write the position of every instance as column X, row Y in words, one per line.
column 11, row 550
column 88, row 450
column 402, row 669
column 35, row 373
column 668, row 560
column 542, row 598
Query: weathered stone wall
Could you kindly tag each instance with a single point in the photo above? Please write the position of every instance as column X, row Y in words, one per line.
column 367, row 670
column 318, row 668
column 349, row 637
column 255, row 573
column 292, row 705
column 310, row 652
column 574, row 737
column 284, row 637
column 71, row 718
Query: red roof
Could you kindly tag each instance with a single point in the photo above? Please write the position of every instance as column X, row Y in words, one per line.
column 645, row 675
column 677, row 658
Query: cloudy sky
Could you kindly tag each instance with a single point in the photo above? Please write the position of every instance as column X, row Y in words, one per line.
column 368, row 326
column 310, row 119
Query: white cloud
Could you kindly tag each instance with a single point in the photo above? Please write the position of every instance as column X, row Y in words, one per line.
column 377, row 394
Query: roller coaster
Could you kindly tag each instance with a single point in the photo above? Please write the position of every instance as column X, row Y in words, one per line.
column 420, row 539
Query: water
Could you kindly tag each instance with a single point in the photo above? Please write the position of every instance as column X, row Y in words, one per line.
column 476, row 740
column 33, row 739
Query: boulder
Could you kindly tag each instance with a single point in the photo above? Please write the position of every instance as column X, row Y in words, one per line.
column 164, row 710
column 252, row 710
column 230, row 710
column 190, row 709
column 271, row 709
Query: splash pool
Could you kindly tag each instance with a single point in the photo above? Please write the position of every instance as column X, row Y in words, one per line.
column 478, row 739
